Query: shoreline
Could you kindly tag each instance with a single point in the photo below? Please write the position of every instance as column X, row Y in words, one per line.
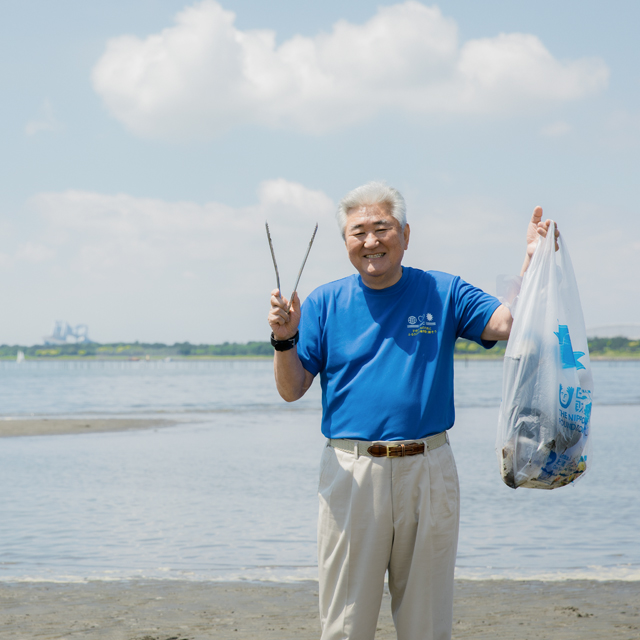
column 182, row 610
column 457, row 356
column 25, row 427
column 135, row 358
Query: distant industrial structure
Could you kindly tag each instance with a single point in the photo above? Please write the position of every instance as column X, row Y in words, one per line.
column 629, row 331
column 64, row 333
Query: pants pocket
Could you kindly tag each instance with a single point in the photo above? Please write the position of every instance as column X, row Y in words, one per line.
column 448, row 472
column 328, row 455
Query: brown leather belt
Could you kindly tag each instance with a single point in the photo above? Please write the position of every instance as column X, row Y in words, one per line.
column 381, row 450
column 396, row 451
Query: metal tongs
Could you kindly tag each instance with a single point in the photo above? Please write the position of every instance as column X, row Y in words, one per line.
column 273, row 256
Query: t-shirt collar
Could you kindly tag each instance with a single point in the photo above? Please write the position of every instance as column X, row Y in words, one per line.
column 393, row 289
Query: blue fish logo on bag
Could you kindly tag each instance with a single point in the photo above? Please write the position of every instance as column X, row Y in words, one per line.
column 570, row 358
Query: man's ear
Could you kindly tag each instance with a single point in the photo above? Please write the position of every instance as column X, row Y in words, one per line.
column 407, row 233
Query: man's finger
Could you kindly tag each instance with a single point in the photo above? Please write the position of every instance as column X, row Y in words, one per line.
column 543, row 227
column 278, row 315
column 279, row 312
column 537, row 215
column 279, row 301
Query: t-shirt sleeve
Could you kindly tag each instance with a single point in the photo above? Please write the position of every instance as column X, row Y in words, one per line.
column 473, row 309
column 310, row 342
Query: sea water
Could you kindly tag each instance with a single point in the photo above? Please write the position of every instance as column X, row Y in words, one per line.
column 229, row 492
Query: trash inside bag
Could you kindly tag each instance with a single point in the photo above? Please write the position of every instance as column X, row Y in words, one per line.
column 547, row 387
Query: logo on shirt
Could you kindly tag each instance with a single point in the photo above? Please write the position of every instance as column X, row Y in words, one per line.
column 422, row 324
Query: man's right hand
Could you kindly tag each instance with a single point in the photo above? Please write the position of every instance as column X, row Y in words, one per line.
column 284, row 325
column 292, row 380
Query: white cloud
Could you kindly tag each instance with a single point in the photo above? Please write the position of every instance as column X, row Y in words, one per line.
column 109, row 236
column 479, row 239
column 133, row 267
column 203, row 76
column 471, row 236
column 45, row 122
column 150, row 269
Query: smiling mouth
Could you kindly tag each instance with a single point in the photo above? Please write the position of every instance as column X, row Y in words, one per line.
column 374, row 255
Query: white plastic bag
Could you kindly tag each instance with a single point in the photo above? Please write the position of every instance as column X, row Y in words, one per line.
column 547, row 387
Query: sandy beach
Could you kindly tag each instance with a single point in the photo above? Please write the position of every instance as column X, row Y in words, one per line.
column 12, row 427
column 189, row 610
column 180, row 610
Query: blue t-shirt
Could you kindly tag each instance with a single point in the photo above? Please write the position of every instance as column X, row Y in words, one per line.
column 385, row 356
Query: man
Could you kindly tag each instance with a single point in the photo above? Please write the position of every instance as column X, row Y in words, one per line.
column 382, row 342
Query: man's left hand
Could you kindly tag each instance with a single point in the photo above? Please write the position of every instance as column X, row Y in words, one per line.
column 536, row 228
column 499, row 325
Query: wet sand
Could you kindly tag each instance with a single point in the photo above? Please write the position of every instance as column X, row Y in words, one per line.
column 180, row 610
column 11, row 427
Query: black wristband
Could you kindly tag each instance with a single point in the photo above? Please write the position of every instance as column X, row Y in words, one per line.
column 285, row 345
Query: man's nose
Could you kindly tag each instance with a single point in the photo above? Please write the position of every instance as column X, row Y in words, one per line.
column 370, row 239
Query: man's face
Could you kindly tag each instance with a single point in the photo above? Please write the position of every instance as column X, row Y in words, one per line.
column 376, row 244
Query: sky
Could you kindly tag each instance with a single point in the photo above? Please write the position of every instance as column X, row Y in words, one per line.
column 145, row 143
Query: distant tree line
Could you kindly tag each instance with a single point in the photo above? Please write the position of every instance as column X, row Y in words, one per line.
column 603, row 346
column 138, row 350
column 468, row 348
column 599, row 347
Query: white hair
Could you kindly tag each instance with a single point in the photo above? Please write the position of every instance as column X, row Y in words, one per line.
column 372, row 193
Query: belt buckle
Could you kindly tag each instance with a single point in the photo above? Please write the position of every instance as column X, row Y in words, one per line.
column 397, row 451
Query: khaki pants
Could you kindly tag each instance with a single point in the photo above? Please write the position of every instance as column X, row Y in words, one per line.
column 399, row 515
